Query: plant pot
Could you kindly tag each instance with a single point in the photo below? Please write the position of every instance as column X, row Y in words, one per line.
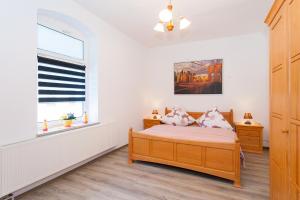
column 68, row 123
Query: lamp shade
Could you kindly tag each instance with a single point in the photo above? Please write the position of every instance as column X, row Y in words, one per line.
column 166, row 15
column 248, row 116
column 155, row 112
column 184, row 23
column 159, row 27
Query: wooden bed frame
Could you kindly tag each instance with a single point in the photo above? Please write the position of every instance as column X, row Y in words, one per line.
column 218, row 159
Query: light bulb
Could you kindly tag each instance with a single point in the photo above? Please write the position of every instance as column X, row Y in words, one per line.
column 165, row 15
column 184, row 23
column 159, row 27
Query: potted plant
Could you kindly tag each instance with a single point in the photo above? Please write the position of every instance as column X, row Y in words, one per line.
column 68, row 119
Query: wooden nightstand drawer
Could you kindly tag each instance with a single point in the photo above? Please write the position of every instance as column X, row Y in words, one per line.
column 251, row 149
column 148, row 123
column 250, row 137
column 249, row 140
column 242, row 132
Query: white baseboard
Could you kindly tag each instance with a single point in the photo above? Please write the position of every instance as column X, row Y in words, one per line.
column 266, row 143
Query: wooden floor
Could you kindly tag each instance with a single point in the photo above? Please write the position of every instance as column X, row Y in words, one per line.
column 110, row 177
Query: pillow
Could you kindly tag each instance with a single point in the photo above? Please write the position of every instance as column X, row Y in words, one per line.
column 178, row 117
column 213, row 119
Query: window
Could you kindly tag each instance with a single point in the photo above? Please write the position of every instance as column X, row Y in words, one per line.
column 61, row 77
column 60, row 43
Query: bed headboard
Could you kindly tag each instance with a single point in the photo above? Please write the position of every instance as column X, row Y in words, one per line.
column 227, row 115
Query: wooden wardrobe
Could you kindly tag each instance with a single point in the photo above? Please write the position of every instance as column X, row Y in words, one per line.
column 284, row 22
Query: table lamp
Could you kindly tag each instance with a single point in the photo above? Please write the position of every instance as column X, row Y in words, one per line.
column 154, row 113
column 248, row 117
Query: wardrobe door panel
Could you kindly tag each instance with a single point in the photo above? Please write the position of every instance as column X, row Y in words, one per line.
column 295, row 160
column 277, row 142
column 279, row 110
column 276, row 181
column 278, row 90
column 294, row 100
column 277, row 45
column 295, row 89
column 294, row 24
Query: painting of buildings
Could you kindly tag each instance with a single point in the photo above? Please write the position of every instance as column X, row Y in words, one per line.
column 198, row 77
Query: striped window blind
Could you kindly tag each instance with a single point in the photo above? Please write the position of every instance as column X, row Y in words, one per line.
column 60, row 81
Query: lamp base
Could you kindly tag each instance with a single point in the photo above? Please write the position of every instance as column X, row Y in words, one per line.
column 248, row 122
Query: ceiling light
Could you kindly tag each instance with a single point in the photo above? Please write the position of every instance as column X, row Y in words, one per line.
column 166, row 15
column 184, row 23
column 167, row 20
column 159, row 27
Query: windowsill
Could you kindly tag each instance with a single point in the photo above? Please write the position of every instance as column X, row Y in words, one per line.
column 61, row 128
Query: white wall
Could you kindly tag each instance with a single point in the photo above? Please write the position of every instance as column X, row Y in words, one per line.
column 24, row 158
column 245, row 76
column 118, row 59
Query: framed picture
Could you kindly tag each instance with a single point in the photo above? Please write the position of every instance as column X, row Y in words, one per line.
column 198, row 77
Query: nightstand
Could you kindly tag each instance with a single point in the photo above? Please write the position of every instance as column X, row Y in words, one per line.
column 250, row 137
column 148, row 122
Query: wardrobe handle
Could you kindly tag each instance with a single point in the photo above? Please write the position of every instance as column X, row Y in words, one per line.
column 285, row 131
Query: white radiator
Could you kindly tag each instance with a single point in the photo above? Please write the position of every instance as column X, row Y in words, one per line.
column 27, row 162
column 8, row 197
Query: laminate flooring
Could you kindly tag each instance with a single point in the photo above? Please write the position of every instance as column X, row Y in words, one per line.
column 111, row 178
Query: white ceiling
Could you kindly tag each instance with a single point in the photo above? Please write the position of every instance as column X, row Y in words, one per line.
column 210, row 18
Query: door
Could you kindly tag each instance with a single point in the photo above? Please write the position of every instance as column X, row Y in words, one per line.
column 294, row 100
column 278, row 109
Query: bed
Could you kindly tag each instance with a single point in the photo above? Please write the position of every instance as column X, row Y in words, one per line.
column 207, row 150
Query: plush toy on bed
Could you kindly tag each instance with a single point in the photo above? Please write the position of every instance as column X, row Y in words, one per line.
column 178, row 117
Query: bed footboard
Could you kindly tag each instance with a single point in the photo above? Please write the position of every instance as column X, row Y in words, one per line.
column 218, row 159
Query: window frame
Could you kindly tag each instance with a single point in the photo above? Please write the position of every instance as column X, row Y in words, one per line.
column 59, row 55
column 66, row 58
